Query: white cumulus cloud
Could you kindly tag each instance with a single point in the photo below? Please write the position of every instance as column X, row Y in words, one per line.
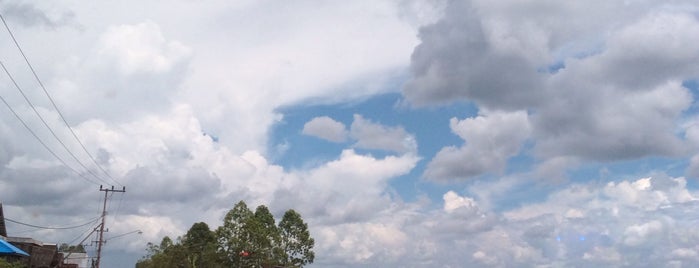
column 325, row 128
column 489, row 141
column 370, row 135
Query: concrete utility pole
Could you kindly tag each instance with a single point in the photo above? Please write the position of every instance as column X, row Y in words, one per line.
column 104, row 215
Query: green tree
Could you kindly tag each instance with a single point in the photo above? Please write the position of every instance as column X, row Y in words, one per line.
column 167, row 254
column 265, row 237
column 245, row 239
column 200, row 245
column 296, row 240
column 234, row 237
column 70, row 248
column 153, row 252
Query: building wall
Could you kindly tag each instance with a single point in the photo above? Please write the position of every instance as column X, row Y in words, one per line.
column 80, row 260
column 40, row 256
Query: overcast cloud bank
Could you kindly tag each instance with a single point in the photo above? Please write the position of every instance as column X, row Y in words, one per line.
column 176, row 103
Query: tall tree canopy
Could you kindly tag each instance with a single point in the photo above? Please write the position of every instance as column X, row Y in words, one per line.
column 200, row 244
column 165, row 254
column 265, row 237
column 296, row 241
column 245, row 239
column 234, row 236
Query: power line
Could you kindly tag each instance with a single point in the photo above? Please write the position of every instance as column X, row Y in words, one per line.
column 116, row 213
column 53, row 103
column 43, row 143
column 45, row 123
column 80, row 243
column 52, row 228
column 83, row 233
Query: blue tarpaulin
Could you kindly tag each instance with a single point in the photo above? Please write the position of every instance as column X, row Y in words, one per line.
column 8, row 249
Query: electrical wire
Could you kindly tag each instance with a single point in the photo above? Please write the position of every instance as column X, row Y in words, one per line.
column 116, row 213
column 46, row 124
column 82, row 234
column 53, row 103
column 109, row 198
column 44, row 144
column 52, row 228
column 75, row 136
column 109, row 205
column 81, row 242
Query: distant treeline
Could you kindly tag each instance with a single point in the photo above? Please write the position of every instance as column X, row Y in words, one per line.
column 246, row 239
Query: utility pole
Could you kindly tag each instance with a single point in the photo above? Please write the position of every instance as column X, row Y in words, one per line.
column 100, row 242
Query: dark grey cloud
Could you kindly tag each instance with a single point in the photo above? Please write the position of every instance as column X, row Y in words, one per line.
column 43, row 190
column 597, row 85
column 456, row 60
column 610, row 125
column 187, row 186
column 624, row 102
column 6, row 149
column 29, row 15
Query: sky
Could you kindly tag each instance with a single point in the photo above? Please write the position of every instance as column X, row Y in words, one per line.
column 407, row 133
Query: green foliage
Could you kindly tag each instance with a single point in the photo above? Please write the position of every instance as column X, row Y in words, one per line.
column 234, row 236
column 167, row 254
column 71, row 248
column 245, row 239
column 5, row 264
column 265, row 237
column 200, row 244
column 296, row 240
